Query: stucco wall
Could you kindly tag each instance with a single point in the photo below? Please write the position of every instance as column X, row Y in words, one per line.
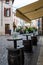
column 0, row 13
column 6, row 20
column 0, row 18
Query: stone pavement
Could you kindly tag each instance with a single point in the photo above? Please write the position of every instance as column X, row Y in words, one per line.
column 40, row 58
column 3, row 51
column 30, row 59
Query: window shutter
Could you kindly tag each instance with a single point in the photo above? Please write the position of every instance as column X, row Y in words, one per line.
column 4, row 11
column 9, row 11
column 7, row 0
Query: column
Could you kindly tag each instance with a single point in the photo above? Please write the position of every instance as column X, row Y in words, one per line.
column 42, row 25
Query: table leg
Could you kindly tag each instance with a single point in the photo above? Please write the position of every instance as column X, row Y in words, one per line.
column 27, row 37
column 15, row 44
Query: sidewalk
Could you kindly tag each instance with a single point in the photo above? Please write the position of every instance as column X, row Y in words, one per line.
column 40, row 59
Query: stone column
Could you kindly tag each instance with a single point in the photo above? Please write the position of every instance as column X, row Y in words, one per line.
column 40, row 26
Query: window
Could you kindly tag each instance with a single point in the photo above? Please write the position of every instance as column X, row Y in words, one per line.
column 7, row 1
column 7, row 12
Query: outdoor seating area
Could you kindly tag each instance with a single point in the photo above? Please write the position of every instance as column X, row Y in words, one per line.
column 22, row 55
column 27, row 46
column 21, row 32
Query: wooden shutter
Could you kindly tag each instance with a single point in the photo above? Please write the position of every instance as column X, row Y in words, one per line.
column 9, row 11
column 7, row 0
column 4, row 11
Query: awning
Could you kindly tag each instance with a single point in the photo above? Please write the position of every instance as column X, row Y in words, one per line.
column 22, row 16
column 32, row 11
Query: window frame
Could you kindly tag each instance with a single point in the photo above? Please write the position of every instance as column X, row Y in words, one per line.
column 7, row 1
column 6, row 11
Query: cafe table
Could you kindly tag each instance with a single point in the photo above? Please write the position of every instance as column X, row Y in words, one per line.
column 14, row 39
column 27, row 35
column 16, row 54
column 27, row 43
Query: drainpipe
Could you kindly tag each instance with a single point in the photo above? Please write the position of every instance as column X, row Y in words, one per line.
column 1, row 16
column 1, row 13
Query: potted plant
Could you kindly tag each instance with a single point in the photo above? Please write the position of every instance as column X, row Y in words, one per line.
column 30, row 30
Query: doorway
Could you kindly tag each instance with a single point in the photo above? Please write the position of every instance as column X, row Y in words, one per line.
column 7, row 28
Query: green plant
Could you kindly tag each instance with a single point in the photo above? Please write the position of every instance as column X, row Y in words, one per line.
column 35, row 29
column 18, row 29
column 30, row 29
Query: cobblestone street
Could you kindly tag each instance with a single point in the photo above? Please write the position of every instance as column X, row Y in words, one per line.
column 30, row 59
column 3, row 51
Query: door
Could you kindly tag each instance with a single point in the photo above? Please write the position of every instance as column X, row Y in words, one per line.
column 7, row 28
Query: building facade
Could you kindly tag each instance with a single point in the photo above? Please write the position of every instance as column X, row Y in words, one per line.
column 6, row 17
